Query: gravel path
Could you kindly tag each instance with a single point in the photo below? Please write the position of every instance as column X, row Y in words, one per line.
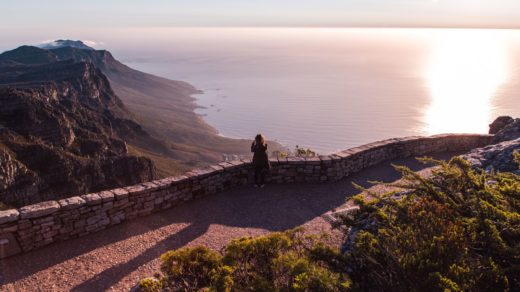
column 115, row 258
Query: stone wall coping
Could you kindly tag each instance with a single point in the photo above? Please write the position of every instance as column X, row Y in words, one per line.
column 238, row 162
column 225, row 165
column 48, row 207
column 120, row 193
column 312, row 160
column 151, row 186
column 230, row 165
column 39, row 210
column 356, row 150
column 71, row 203
column 179, row 178
column 246, row 160
column 377, row 144
column 409, row 138
column 217, row 168
column 325, row 158
column 296, row 160
column 200, row 173
column 92, row 199
column 10, row 215
column 135, row 190
column 163, row 183
column 106, row 196
column 322, row 168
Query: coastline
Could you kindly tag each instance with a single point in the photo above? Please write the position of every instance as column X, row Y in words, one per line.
column 167, row 110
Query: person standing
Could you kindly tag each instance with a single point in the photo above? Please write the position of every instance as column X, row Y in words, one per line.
column 260, row 160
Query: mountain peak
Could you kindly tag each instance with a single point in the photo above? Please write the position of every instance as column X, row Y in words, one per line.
column 28, row 55
column 65, row 43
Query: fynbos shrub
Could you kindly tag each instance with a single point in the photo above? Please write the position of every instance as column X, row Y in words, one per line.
column 287, row 261
column 455, row 230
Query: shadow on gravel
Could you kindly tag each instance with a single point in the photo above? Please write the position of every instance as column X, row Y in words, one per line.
column 275, row 208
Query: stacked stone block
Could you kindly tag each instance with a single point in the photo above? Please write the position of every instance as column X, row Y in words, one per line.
column 34, row 226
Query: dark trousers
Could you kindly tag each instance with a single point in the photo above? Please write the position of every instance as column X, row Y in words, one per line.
column 259, row 175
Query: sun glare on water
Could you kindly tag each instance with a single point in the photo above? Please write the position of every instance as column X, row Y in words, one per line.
column 465, row 70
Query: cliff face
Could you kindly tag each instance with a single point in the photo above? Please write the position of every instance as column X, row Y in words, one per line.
column 65, row 96
column 62, row 131
column 179, row 139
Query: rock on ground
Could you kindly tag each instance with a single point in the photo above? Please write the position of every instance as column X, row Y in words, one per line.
column 498, row 157
column 505, row 129
column 499, row 123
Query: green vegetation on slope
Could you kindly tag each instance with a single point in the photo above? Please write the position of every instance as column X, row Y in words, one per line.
column 458, row 229
column 276, row 262
column 455, row 230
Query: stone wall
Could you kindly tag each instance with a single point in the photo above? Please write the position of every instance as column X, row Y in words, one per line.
column 34, row 226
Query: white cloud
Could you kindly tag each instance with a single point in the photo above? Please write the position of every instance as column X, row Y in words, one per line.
column 48, row 44
column 52, row 44
column 92, row 43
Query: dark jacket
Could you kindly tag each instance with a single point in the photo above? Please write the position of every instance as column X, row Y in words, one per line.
column 260, row 159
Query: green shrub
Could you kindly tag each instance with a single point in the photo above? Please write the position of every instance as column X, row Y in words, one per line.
column 150, row 285
column 287, row 261
column 456, row 230
column 302, row 152
column 192, row 268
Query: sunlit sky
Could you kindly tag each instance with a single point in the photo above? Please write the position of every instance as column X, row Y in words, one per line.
column 74, row 14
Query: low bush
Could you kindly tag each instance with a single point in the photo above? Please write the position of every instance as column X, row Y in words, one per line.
column 287, row 261
column 455, row 230
column 302, row 152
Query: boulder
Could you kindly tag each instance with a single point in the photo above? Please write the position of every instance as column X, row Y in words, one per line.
column 510, row 132
column 498, row 157
column 499, row 123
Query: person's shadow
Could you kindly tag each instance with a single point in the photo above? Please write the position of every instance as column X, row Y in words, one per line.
column 274, row 208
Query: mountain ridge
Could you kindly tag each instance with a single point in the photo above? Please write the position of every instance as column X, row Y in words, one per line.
column 139, row 115
column 166, row 110
column 62, row 131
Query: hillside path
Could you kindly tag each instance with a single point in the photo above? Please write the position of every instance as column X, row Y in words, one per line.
column 116, row 258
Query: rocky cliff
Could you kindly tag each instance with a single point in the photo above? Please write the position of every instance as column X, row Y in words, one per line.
column 180, row 139
column 62, row 130
column 499, row 155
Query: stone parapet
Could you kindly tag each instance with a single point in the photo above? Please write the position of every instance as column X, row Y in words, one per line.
column 35, row 226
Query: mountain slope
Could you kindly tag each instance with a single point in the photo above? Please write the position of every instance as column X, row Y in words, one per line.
column 27, row 55
column 62, row 132
column 163, row 107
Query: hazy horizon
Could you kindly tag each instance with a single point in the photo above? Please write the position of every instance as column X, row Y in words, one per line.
column 101, row 40
column 31, row 22
column 52, row 15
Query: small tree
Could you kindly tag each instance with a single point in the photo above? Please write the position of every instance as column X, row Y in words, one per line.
column 302, row 152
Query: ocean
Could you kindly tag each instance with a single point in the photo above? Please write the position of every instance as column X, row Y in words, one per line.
column 329, row 89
